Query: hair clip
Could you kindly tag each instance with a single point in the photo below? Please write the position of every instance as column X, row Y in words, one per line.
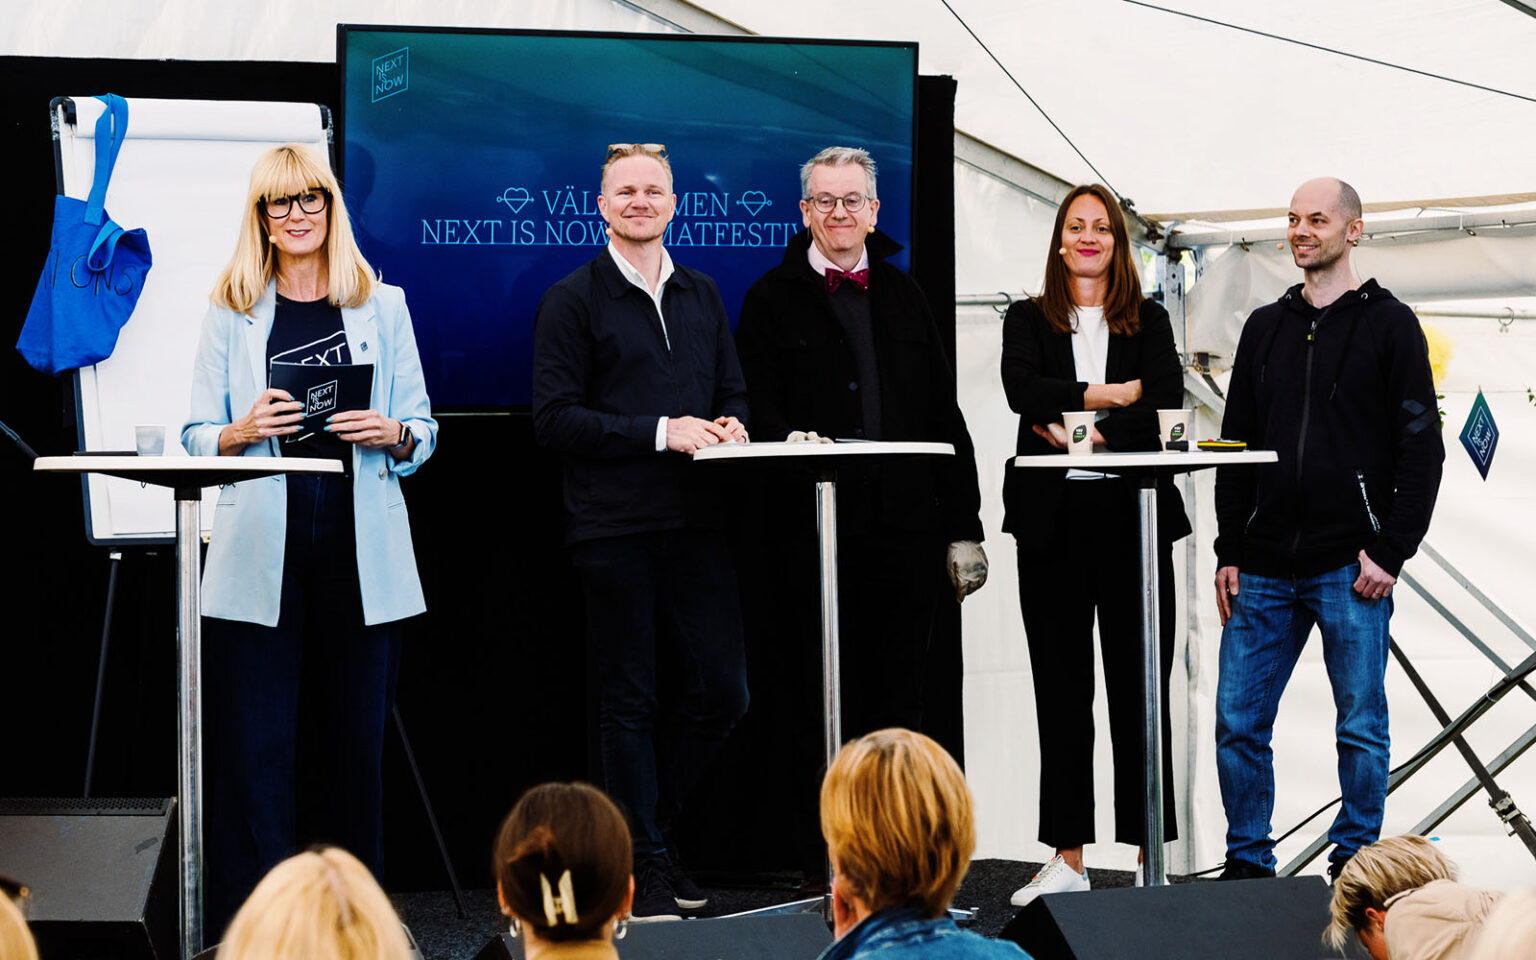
column 564, row 904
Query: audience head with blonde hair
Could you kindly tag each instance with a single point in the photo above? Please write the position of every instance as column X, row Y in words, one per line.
column 16, row 941
column 896, row 814
column 562, row 863
column 322, row 904
column 1374, row 875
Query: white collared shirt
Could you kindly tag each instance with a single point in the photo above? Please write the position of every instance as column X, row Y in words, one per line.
column 821, row 264
column 637, row 278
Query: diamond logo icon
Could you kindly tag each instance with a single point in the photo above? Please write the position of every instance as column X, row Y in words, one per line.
column 516, row 198
column 755, row 201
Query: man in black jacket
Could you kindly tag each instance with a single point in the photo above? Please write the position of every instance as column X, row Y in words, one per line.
column 1335, row 378
column 634, row 370
column 837, row 343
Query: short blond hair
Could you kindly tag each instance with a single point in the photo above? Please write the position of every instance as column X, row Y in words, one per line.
column 896, row 814
column 322, row 904
column 621, row 151
column 16, row 941
column 1509, row 930
column 281, row 172
column 1377, row 873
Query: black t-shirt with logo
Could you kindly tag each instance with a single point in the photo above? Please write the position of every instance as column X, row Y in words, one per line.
column 310, row 333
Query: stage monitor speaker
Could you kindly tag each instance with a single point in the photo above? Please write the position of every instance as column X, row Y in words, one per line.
column 1276, row 919
column 796, row 936
column 102, row 874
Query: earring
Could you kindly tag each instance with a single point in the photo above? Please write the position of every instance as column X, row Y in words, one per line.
column 870, row 229
column 1061, row 251
column 622, row 930
column 516, row 929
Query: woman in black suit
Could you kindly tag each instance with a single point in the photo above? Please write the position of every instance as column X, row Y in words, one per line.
column 1088, row 342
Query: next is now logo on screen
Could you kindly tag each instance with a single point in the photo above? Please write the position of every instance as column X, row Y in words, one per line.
column 391, row 74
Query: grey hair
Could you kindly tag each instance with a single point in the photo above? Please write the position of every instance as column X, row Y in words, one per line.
column 837, row 157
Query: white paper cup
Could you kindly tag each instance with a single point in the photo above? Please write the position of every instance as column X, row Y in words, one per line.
column 149, row 439
column 1173, row 426
column 1079, row 424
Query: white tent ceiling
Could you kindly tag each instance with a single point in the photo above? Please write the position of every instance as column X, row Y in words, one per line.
column 1186, row 116
column 1177, row 114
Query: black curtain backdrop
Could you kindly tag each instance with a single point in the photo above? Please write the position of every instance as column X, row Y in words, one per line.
column 495, row 684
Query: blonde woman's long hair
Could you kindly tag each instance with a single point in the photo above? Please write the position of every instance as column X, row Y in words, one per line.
column 322, row 904
column 282, row 172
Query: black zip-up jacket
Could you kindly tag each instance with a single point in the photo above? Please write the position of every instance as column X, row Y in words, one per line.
column 603, row 374
column 1344, row 395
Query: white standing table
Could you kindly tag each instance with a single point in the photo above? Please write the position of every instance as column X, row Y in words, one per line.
column 822, row 461
column 1144, row 469
column 187, row 476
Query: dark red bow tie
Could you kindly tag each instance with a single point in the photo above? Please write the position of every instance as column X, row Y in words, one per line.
column 835, row 278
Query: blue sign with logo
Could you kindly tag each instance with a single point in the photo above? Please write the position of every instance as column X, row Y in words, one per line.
column 1480, row 435
column 472, row 163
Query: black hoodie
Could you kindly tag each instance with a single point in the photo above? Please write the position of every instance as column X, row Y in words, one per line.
column 1344, row 395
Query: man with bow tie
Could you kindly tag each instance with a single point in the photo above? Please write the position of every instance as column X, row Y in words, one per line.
column 835, row 343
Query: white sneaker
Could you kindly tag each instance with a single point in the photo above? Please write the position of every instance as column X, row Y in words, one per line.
column 1054, row 877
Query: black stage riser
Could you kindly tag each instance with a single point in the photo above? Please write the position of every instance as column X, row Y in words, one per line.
column 791, row 937
column 102, row 875
column 1276, row 919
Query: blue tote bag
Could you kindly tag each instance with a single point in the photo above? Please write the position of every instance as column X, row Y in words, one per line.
column 95, row 269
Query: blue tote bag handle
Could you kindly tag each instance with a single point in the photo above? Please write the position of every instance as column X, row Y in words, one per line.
column 111, row 127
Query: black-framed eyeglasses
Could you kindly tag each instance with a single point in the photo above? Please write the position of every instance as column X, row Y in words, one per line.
column 310, row 201
column 826, row 203
column 654, row 149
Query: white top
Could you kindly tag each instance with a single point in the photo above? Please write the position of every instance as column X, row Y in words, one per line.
column 1090, row 355
column 637, row 278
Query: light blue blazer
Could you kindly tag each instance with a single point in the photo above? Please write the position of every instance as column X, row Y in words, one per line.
column 244, row 573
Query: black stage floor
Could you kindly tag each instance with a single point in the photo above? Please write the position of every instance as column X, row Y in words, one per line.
column 442, row 935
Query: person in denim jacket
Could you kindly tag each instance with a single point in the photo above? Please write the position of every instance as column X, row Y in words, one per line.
column 896, row 814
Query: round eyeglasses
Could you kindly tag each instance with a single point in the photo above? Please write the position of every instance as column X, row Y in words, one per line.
column 310, row 201
column 825, row 203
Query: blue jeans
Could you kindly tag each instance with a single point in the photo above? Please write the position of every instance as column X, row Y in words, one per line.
column 1271, row 620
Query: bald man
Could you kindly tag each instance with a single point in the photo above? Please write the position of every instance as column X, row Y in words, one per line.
column 1335, row 378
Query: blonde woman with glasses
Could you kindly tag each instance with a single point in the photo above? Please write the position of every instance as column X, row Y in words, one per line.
column 308, row 576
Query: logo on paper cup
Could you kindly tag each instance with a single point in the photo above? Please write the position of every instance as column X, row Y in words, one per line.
column 1079, row 433
column 1177, row 433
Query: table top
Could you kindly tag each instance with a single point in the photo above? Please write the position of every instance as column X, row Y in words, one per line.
column 184, row 471
column 824, row 451
column 1166, row 461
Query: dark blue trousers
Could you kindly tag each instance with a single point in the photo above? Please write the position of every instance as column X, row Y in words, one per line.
column 679, row 584
column 295, row 714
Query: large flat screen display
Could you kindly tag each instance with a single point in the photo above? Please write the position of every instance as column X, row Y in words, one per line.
column 472, row 158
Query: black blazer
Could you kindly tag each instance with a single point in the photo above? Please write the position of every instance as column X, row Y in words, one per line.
column 1040, row 380
column 799, row 368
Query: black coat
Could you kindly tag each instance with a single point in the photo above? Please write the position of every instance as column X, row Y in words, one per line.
column 799, row 367
column 603, row 376
column 1040, row 380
